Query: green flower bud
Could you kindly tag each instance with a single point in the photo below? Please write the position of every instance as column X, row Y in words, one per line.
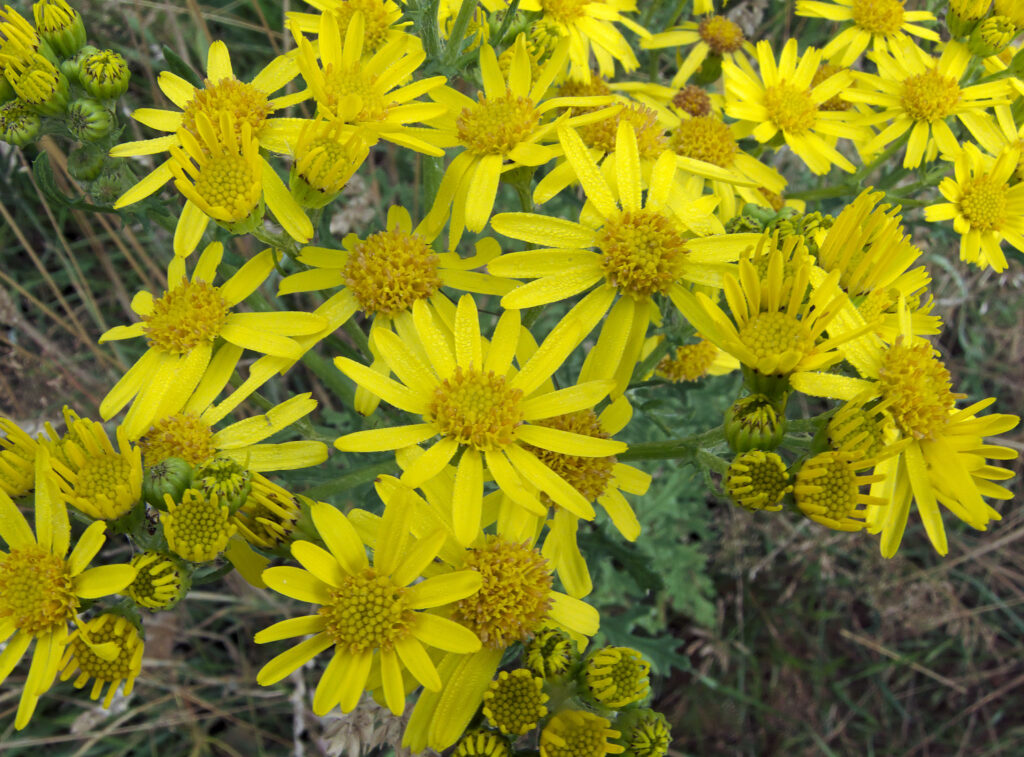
column 88, row 120
column 963, row 15
column 172, row 476
column 551, row 653
column 754, row 422
column 160, row 582
column 104, row 75
column 86, row 163
column 757, row 480
column 19, row 125
column 743, row 224
column 645, row 733
column 229, row 480
column 71, row 67
column 60, row 25
column 39, row 84
column 991, row 36
column 326, row 156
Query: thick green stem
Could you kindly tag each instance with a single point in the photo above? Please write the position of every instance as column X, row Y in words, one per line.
column 454, row 45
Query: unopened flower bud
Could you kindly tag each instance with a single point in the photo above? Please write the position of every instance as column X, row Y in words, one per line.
column 171, row 476
column 645, row 733
column 754, row 422
column 39, row 84
column 19, row 125
column 60, row 25
column 963, row 15
column 71, row 67
column 104, row 75
column 88, row 120
column 229, row 480
column 85, row 163
column 991, row 36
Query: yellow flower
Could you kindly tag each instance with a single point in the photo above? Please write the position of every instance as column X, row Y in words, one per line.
column 757, row 480
column 514, row 702
column 181, row 326
column 827, row 490
column 198, row 527
column 382, row 20
column 643, row 249
column 945, row 457
column 783, row 98
column 578, row 733
column 880, row 23
column 985, row 205
column 160, row 583
column 472, row 398
column 690, row 362
column 715, row 35
column 44, row 585
column 385, row 273
column 920, row 94
column 98, row 480
column 223, row 177
column 376, row 616
column 326, row 155
column 374, row 94
column 617, row 676
column 267, row 517
column 222, row 92
column 590, row 29
column 777, row 321
column 82, row 658
column 505, row 123
column 17, row 459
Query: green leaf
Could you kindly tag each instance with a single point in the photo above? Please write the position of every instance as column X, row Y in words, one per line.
column 177, row 65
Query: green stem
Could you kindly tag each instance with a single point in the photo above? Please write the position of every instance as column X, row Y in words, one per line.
column 506, row 21
column 359, row 337
column 454, row 45
column 427, row 28
column 674, row 449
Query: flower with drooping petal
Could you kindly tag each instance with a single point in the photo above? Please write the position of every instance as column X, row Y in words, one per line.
column 879, row 23
column 43, row 585
column 81, row 657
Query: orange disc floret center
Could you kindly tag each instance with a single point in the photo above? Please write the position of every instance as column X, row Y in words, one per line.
column 515, row 595
column 721, row 34
column 183, row 435
column 184, row 317
column 494, row 126
column 790, row 108
column 775, row 333
column 643, row 252
column 878, row 16
column 390, row 270
column 693, row 100
column 589, row 476
column 930, row 96
column 917, row 388
column 367, row 611
column 983, row 203
column 705, row 138
column 345, row 82
column 37, row 591
column 691, row 362
column 241, row 100
column 477, row 408
column 564, row 11
column 650, row 137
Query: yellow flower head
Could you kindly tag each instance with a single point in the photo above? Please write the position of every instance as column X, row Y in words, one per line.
column 551, row 652
column 917, row 93
column 17, row 459
column 473, row 398
column 783, row 98
column 181, row 326
column 617, row 676
column 757, row 480
column 37, row 83
column 376, row 93
column 986, row 205
column 375, row 615
column 483, row 743
column 880, row 23
column 326, row 155
column 98, row 480
column 381, row 20
column 691, row 362
column 591, row 29
column 106, row 671
column 160, row 583
column 577, row 733
column 17, row 37
column 198, row 527
column 267, row 517
column 828, row 492
column 514, row 702
column 715, row 36
column 44, row 585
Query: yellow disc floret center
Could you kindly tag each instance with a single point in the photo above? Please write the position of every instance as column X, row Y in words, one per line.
column 367, row 611
column 564, row 11
column 930, row 96
column 183, row 435
column 343, row 82
column 643, row 252
column 983, row 203
column 241, row 100
column 691, row 362
column 477, row 408
column 184, row 317
column 576, row 733
column 375, row 21
column 827, row 486
column 514, row 598
column 705, row 138
column 494, row 126
column 107, row 629
column 775, row 333
column 515, row 702
column 721, row 34
column 589, row 476
column 757, row 480
column 878, row 16
column 37, row 594
column 790, row 108
column 228, row 183
column 917, row 388
column 390, row 270
column 650, row 136
column 106, row 482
